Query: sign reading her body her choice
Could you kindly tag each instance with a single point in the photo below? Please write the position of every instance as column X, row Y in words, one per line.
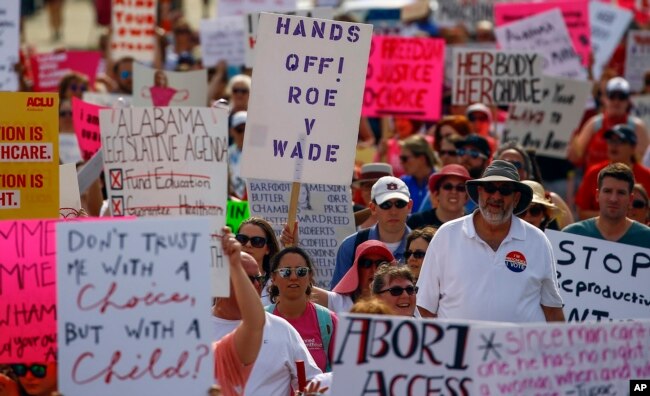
column 496, row 77
column 601, row 280
column 324, row 217
column 163, row 88
column 545, row 33
column 575, row 13
column 10, row 43
column 144, row 283
column 404, row 77
column 29, row 155
column 169, row 161
column 27, row 291
column 133, row 29
column 547, row 127
column 482, row 358
column 303, row 114
column 637, row 58
column 608, row 25
column 222, row 39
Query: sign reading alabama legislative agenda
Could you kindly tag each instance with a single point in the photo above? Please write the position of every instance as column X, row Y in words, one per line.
column 306, row 99
column 132, row 298
column 637, row 58
column 601, row 280
column 547, row 127
column 29, row 155
column 404, row 356
column 27, row 291
column 324, row 218
column 547, row 34
column 10, row 43
column 169, row 161
column 496, row 77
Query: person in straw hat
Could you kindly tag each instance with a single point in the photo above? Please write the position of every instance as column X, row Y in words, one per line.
column 491, row 265
column 541, row 210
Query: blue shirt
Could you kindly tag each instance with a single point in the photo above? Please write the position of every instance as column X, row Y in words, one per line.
column 419, row 193
column 345, row 255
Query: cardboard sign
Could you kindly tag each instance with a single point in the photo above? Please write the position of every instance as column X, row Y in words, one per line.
column 637, row 58
column 132, row 298
column 162, row 88
column 49, row 68
column 641, row 107
column 222, row 39
column 324, row 217
column 85, row 119
column 601, row 280
column 169, row 161
column 469, row 13
column 608, row 24
column 27, row 291
column 226, row 8
column 29, row 155
column 575, row 13
column 252, row 20
column 304, row 106
column 547, row 127
column 545, row 33
column 9, row 44
column 404, row 77
column 133, row 29
column 108, row 99
column 496, row 77
column 237, row 212
column 69, row 196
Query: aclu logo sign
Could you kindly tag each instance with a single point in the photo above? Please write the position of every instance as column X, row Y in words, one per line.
column 37, row 103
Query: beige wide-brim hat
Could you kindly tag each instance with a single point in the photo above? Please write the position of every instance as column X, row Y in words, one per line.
column 502, row 171
column 539, row 197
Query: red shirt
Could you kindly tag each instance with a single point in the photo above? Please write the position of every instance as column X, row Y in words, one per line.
column 586, row 195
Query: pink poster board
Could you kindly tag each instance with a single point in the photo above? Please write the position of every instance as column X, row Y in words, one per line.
column 404, row 77
column 50, row 67
column 85, row 119
column 575, row 13
column 27, row 291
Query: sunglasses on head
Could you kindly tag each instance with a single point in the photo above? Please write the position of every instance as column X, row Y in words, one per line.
column 503, row 189
column 301, row 272
column 451, row 153
column 618, row 96
column 256, row 278
column 124, row 74
column 535, row 210
column 37, row 370
column 399, row 204
column 417, row 254
column 448, row 187
column 472, row 153
column 256, row 241
column 368, row 263
column 398, row 290
column 240, row 91
column 639, row 204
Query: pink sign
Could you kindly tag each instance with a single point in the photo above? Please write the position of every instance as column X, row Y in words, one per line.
column 575, row 13
column 404, row 77
column 27, row 291
column 85, row 119
column 49, row 68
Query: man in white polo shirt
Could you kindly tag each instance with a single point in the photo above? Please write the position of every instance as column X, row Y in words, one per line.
column 491, row 265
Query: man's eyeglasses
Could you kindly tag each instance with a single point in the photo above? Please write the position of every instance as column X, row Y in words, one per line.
column 503, row 189
column 242, row 91
column 399, row 204
column 534, row 210
column 368, row 263
column 256, row 241
column 256, row 278
column 618, row 96
column 37, row 370
column 472, row 153
column 301, row 272
column 397, row 291
column 639, row 204
column 417, row 254
column 448, row 187
column 451, row 153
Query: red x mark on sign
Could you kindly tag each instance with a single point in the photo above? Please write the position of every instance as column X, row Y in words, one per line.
column 117, row 206
column 116, row 179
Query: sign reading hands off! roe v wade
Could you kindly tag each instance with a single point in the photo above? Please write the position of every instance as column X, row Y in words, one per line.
column 601, row 280
column 303, row 114
column 29, row 155
column 496, row 77
column 27, row 291
column 132, row 298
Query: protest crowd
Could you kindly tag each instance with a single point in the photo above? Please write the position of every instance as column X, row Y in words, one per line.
column 335, row 198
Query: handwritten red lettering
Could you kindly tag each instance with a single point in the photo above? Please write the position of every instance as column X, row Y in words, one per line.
column 86, row 302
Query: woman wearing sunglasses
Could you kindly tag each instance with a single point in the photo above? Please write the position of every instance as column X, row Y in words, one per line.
column 541, row 210
column 639, row 209
column 416, row 247
column 36, row 379
column 395, row 285
column 293, row 277
column 258, row 239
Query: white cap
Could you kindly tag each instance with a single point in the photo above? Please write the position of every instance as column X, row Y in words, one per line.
column 481, row 108
column 618, row 84
column 238, row 118
column 389, row 187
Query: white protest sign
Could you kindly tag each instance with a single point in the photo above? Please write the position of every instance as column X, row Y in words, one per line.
column 608, row 24
column 222, row 39
column 305, row 103
column 69, row 197
column 252, row 20
column 547, row 34
column 227, row 8
column 9, row 44
column 132, row 303
column 641, row 107
column 496, row 77
column 324, row 217
column 69, row 152
column 449, row 58
column 452, row 12
column 601, row 280
column 108, row 99
column 169, row 161
column 547, row 127
column 637, row 58
column 133, row 29
column 161, row 88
